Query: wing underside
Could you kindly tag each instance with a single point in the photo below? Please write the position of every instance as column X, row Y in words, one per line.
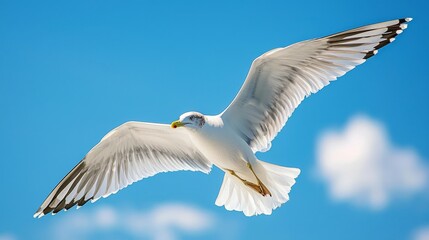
column 127, row 154
column 280, row 79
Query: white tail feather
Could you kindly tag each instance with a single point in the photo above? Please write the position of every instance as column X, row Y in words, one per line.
column 234, row 195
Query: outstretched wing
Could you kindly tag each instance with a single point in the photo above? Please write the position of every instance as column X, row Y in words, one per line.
column 130, row 152
column 280, row 79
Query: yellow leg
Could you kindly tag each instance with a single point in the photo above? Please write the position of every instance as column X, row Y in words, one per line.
column 264, row 189
column 260, row 187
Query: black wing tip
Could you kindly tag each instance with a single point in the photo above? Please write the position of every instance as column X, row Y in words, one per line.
column 404, row 20
column 389, row 36
column 45, row 208
column 38, row 213
column 370, row 54
column 61, row 206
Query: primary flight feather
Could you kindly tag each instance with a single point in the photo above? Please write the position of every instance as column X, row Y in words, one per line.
column 276, row 84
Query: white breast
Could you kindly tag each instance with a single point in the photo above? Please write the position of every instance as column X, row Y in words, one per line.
column 222, row 147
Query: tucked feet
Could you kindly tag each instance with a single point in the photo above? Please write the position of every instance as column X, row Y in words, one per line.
column 260, row 187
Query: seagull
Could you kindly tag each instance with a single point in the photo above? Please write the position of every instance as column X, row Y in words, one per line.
column 276, row 84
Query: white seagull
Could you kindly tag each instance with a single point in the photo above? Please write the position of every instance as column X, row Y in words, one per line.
column 275, row 85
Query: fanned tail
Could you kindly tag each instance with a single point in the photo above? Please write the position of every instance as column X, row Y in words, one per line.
column 235, row 195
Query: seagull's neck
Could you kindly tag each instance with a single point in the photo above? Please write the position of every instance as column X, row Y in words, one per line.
column 214, row 121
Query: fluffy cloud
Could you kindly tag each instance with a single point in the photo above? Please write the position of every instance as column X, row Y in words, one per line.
column 6, row 236
column 164, row 222
column 361, row 165
column 422, row 234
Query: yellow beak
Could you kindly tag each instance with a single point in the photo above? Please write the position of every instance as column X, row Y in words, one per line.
column 177, row 124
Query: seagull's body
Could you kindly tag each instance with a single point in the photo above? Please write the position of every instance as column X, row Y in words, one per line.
column 221, row 147
column 277, row 82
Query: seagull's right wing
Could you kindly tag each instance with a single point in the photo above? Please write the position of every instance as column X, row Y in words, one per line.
column 280, row 79
column 130, row 152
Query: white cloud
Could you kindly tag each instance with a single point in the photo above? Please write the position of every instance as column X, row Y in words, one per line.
column 421, row 234
column 163, row 222
column 7, row 236
column 361, row 165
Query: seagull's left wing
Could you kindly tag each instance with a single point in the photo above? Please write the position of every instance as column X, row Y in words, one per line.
column 280, row 79
column 130, row 152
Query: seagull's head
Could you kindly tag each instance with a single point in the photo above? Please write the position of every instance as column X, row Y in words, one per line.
column 194, row 120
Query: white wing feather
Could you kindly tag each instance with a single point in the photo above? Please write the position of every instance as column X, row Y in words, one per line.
column 130, row 152
column 280, row 79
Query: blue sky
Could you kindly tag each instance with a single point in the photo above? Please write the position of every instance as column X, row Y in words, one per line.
column 72, row 71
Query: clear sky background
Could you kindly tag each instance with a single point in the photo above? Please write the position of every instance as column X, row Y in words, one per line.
column 70, row 71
